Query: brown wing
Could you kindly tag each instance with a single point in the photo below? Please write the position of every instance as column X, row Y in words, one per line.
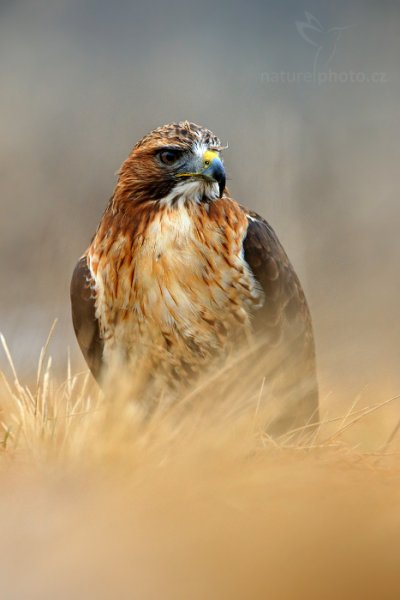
column 284, row 323
column 84, row 318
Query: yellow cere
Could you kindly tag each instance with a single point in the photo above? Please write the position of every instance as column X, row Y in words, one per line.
column 208, row 157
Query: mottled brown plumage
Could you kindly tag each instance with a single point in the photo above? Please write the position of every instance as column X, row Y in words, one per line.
column 179, row 276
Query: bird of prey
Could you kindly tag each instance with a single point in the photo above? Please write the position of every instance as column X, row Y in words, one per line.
column 178, row 274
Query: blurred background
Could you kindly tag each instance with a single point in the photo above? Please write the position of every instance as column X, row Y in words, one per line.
column 305, row 94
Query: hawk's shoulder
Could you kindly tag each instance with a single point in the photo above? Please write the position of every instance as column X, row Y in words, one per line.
column 284, row 297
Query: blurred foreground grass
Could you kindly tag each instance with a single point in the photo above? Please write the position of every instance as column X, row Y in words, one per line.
column 193, row 503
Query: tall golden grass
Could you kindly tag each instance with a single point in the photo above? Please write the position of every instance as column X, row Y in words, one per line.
column 194, row 502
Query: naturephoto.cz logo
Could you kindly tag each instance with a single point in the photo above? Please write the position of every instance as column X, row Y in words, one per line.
column 324, row 41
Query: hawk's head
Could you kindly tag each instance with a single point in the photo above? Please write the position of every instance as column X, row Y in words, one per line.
column 179, row 160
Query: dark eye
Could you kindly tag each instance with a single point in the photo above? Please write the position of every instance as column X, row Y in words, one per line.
column 169, row 157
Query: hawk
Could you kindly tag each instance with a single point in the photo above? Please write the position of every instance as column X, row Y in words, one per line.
column 178, row 274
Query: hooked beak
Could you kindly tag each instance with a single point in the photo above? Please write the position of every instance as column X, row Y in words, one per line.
column 214, row 170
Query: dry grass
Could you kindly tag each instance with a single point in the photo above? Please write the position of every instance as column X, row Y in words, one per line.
column 99, row 502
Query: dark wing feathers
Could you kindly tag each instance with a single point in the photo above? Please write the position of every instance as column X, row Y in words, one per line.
column 284, row 320
column 84, row 319
column 274, row 272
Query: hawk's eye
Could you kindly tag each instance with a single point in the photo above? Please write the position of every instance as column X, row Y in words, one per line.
column 170, row 157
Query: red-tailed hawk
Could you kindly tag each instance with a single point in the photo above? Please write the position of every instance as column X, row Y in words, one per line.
column 178, row 273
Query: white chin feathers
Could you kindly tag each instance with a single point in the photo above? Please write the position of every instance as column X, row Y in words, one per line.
column 193, row 190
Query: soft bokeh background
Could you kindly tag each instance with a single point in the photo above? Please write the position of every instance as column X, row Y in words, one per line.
column 81, row 81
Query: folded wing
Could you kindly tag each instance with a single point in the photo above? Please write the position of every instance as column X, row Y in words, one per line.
column 84, row 319
column 283, row 324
